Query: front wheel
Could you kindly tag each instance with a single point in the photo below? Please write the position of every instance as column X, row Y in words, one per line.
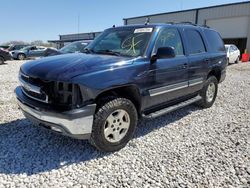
column 21, row 57
column 114, row 125
column 209, row 92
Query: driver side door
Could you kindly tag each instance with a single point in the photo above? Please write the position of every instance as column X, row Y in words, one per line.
column 32, row 51
column 169, row 75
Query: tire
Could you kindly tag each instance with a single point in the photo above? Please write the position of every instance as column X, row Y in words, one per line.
column 208, row 98
column 114, row 124
column 1, row 60
column 237, row 60
column 21, row 56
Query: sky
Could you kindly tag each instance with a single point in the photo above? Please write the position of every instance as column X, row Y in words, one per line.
column 31, row 20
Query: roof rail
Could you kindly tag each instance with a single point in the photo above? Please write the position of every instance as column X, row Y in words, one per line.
column 190, row 23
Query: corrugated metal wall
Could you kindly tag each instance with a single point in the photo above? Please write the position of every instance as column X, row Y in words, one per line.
column 223, row 12
column 164, row 18
column 233, row 21
column 80, row 36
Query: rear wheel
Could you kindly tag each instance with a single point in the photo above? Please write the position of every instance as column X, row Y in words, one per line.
column 209, row 92
column 21, row 56
column 1, row 60
column 114, row 125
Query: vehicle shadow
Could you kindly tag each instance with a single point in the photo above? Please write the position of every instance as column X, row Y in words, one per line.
column 26, row 148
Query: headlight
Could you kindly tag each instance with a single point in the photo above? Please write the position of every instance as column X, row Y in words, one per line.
column 67, row 94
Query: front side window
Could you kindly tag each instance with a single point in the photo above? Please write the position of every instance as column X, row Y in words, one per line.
column 195, row 42
column 169, row 37
column 130, row 42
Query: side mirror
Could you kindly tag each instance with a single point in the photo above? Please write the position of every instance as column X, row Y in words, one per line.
column 163, row 53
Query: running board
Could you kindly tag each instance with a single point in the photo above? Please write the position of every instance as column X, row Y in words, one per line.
column 172, row 108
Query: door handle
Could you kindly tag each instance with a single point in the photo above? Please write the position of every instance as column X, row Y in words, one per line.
column 207, row 60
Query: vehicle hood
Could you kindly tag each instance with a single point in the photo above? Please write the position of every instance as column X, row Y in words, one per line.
column 68, row 66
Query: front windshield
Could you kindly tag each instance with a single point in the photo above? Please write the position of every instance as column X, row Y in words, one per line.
column 74, row 47
column 125, row 42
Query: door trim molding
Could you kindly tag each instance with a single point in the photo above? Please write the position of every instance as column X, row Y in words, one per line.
column 174, row 87
column 167, row 89
column 196, row 81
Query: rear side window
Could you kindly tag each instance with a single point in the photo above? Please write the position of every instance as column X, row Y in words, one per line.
column 195, row 42
column 215, row 42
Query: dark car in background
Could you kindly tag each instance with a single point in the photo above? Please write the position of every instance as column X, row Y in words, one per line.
column 28, row 52
column 4, row 56
column 4, row 46
column 74, row 47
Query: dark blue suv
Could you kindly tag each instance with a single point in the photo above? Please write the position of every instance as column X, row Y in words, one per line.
column 126, row 73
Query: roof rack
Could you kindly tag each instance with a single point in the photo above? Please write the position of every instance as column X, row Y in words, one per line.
column 169, row 23
column 191, row 23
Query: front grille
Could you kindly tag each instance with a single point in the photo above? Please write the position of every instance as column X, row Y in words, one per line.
column 42, row 97
column 60, row 95
column 34, row 88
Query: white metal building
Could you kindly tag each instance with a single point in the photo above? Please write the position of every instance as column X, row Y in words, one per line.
column 231, row 20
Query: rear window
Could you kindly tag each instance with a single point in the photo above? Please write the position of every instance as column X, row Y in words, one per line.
column 195, row 42
column 215, row 42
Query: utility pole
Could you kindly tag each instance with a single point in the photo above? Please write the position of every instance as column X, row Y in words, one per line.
column 78, row 24
column 181, row 4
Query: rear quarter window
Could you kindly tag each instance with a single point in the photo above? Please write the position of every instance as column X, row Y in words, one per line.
column 215, row 42
column 195, row 42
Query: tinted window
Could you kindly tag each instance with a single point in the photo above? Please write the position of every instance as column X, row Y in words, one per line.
column 195, row 42
column 169, row 37
column 215, row 42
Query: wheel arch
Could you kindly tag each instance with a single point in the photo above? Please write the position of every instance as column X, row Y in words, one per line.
column 216, row 71
column 130, row 92
column 2, row 57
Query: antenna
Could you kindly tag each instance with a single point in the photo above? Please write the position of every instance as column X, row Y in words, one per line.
column 147, row 21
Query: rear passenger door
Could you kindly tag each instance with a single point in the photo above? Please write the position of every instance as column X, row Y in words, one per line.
column 170, row 75
column 198, row 59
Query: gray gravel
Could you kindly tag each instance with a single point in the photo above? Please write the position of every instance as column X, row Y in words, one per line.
column 188, row 148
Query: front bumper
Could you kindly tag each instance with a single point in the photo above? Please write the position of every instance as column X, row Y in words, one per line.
column 76, row 123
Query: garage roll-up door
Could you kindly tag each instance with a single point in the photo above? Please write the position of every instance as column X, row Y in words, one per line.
column 235, row 27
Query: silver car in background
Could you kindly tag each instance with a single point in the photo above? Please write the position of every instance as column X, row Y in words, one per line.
column 233, row 53
column 28, row 52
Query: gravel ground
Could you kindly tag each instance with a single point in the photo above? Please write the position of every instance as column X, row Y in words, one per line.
column 187, row 148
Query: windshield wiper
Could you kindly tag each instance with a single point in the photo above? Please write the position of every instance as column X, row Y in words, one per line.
column 88, row 51
column 109, row 52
